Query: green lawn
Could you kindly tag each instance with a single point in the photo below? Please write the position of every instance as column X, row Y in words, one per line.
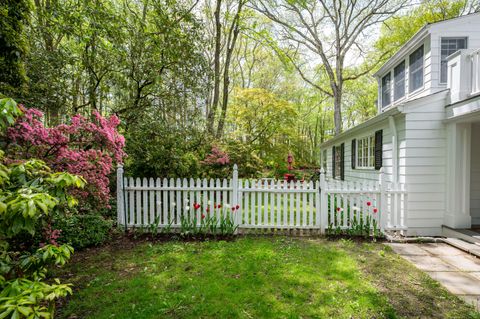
column 253, row 277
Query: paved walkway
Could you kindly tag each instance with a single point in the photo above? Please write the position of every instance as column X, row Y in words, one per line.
column 458, row 271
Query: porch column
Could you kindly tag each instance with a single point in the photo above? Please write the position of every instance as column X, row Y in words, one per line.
column 457, row 213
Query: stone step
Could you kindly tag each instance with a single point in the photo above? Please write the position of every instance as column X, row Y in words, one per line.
column 463, row 245
column 464, row 234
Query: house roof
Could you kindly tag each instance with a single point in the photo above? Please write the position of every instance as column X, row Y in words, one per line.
column 415, row 40
column 394, row 110
column 370, row 122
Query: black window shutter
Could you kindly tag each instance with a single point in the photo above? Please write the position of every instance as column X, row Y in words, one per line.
column 333, row 162
column 378, row 149
column 342, row 161
column 354, row 153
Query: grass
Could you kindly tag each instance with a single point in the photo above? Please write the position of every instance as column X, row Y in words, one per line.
column 253, row 277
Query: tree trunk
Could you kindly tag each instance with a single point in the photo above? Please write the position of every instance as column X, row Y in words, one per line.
column 337, row 110
column 216, row 75
column 232, row 39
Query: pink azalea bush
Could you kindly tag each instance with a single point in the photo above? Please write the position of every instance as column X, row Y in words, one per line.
column 89, row 148
column 216, row 157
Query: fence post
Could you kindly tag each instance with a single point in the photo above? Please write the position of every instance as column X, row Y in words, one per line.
column 322, row 210
column 384, row 214
column 120, row 200
column 235, row 194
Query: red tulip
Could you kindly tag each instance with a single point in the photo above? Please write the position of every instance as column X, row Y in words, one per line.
column 338, row 209
column 233, row 209
column 369, row 203
column 196, row 206
column 375, row 210
column 203, row 216
column 207, row 209
column 219, row 206
column 237, row 207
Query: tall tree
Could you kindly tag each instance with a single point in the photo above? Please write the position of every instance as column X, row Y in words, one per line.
column 226, row 30
column 336, row 31
column 13, row 46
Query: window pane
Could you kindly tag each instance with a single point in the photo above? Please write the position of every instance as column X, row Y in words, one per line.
column 448, row 47
column 399, row 79
column 365, row 152
column 416, row 69
column 386, row 89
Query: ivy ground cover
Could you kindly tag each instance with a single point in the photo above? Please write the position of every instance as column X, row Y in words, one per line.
column 253, row 277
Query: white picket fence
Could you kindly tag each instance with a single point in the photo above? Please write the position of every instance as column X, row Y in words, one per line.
column 267, row 204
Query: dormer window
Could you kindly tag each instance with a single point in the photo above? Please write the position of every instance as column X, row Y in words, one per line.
column 386, row 89
column 399, row 81
column 448, row 47
column 416, row 70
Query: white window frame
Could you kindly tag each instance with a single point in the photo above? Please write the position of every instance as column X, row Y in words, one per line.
column 404, row 81
column 421, row 87
column 440, row 55
column 365, row 162
column 390, row 90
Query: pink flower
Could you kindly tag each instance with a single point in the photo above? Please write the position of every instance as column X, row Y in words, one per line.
column 84, row 147
column 216, row 157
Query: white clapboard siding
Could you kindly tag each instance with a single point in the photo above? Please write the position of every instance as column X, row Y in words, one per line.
column 267, row 204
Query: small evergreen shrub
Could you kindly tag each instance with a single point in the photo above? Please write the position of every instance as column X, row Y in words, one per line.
column 83, row 231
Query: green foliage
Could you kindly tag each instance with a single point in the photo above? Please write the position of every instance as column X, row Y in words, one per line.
column 264, row 121
column 30, row 193
column 9, row 111
column 170, row 151
column 83, row 231
column 13, row 45
column 210, row 224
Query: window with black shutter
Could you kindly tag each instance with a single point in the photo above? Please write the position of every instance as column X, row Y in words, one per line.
column 333, row 162
column 378, row 149
column 342, row 161
column 354, row 153
column 338, row 162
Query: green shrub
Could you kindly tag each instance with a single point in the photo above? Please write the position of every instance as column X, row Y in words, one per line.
column 83, row 231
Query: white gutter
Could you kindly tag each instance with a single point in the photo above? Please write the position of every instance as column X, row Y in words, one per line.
column 393, row 129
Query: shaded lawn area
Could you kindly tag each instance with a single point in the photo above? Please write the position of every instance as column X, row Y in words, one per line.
column 253, row 277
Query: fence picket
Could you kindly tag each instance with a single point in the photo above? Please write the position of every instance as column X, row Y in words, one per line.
column 253, row 212
column 158, row 201
column 166, row 220
column 151, row 200
column 262, row 203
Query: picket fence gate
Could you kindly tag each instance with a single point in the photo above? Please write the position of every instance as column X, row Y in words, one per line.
column 262, row 204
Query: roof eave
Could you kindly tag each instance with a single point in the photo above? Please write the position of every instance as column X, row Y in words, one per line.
column 372, row 121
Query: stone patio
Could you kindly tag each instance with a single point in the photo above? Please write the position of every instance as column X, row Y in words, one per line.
column 455, row 269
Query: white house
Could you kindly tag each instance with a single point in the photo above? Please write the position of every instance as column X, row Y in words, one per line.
column 427, row 131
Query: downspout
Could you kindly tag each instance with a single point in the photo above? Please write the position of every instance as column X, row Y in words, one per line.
column 393, row 129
